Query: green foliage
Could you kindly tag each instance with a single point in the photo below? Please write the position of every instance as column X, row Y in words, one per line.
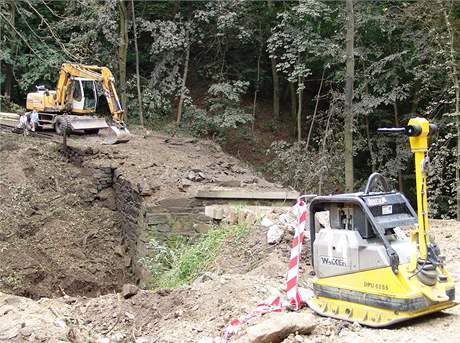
column 163, row 258
column 441, row 180
column 303, row 37
column 177, row 266
column 6, row 105
column 223, row 111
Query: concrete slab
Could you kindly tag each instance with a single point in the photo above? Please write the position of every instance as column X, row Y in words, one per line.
column 10, row 119
column 246, row 194
column 220, row 212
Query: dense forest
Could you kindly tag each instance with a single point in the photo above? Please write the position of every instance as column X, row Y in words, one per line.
column 298, row 88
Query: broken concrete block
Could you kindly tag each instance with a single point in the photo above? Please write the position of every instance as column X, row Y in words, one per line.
column 196, row 176
column 322, row 218
column 266, row 222
column 277, row 327
column 214, row 212
column 274, row 234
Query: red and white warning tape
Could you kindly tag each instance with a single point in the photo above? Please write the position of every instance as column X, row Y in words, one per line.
column 268, row 307
column 292, row 289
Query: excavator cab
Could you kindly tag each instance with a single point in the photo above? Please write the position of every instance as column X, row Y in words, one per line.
column 84, row 97
column 83, row 102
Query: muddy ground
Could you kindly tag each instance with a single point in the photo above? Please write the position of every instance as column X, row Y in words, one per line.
column 58, row 241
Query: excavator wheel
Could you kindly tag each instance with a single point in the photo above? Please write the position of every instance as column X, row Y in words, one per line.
column 62, row 125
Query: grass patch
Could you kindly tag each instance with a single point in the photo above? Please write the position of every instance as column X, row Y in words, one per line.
column 185, row 263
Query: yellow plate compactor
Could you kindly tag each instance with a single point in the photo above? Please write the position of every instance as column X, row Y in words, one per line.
column 367, row 269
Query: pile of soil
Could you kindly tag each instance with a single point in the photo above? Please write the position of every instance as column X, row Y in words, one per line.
column 59, row 235
column 165, row 167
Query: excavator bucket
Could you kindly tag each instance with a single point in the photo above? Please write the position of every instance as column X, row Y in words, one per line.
column 87, row 123
column 118, row 134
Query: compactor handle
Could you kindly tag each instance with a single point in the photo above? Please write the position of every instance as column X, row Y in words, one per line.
column 372, row 181
column 408, row 130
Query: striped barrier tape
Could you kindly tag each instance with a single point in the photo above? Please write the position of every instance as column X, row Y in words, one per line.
column 261, row 309
column 292, row 290
column 292, row 287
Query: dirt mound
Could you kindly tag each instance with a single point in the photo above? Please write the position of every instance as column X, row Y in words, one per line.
column 53, row 237
column 60, row 233
column 165, row 167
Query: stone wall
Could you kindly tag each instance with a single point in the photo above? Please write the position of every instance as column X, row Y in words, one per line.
column 116, row 192
column 186, row 216
column 178, row 216
column 129, row 205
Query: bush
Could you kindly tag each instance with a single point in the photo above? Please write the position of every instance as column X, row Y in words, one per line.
column 223, row 111
column 6, row 105
column 310, row 170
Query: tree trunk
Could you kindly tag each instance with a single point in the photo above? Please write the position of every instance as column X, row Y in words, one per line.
column 184, row 79
column 9, row 67
column 323, row 150
column 315, row 111
column 256, row 91
column 276, row 90
column 293, row 95
column 138, row 78
column 398, row 148
column 369, row 145
column 349, row 78
column 123, row 48
column 455, row 80
column 299, row 109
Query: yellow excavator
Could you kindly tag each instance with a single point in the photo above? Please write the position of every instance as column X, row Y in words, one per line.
column 71, row 107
